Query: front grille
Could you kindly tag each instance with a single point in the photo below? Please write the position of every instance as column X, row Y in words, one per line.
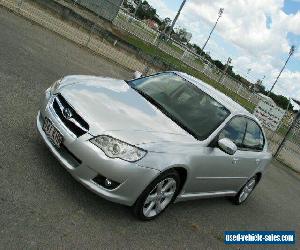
column 74, row 123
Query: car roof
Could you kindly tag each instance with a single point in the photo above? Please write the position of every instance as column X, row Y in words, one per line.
column 230, row 104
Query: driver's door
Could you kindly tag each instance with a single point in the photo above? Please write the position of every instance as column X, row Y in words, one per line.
column 213, row 170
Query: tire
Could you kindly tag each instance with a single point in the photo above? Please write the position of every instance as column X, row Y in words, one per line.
column 245, row 191
column 158, row 195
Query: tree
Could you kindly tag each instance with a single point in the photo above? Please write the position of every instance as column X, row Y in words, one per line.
column 146, row 11
column 165, row 23
column 281, row 101
column 179, row 35
column 203, row 54
column 219, row 64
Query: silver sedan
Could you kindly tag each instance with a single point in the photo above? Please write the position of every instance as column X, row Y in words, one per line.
column 153, row 140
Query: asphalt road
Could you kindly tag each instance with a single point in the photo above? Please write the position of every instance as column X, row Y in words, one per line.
column 42, row 206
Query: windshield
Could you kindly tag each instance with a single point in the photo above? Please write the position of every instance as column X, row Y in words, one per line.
column 192, row 109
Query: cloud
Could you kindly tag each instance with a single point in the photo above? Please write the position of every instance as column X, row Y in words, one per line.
column 244, row 23
column 162, row 9
column 257, row 29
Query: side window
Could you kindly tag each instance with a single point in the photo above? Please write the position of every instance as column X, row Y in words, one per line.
column 235, row 131
column 254, row 139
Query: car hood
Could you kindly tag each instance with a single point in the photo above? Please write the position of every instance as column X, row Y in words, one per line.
column 112, row 107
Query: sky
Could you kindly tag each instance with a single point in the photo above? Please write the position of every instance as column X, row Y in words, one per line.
column 256, row 34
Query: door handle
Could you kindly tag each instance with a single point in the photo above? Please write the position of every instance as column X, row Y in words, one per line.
column 235, row 160
column 257, row 161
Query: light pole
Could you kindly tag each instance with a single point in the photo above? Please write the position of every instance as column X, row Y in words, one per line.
column 221, row 11
column 292, row 50
column 175, row 19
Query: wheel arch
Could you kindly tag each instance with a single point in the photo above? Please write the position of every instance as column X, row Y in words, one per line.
column 258, row 176
column 183, row 174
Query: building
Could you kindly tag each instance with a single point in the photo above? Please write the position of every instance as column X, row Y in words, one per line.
column 152, row 24
column 107, row 9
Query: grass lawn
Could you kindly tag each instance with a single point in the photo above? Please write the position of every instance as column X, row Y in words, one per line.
column 282, row 130
column 199, row 62
column 174, row 47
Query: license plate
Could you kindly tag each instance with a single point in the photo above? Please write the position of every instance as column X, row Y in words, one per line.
column 54, row 135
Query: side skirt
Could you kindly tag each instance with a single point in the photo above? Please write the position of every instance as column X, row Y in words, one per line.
column 193, row 196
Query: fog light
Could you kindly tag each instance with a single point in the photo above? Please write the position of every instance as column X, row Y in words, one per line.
column 107, row 182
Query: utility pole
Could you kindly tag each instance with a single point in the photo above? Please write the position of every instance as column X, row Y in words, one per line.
column 221, row 11
column 292, row 50
column 175, row 19
column 229, row 60
column 297, row 117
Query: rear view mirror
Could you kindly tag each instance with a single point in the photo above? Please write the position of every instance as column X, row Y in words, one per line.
column 137, row 74
column 227, row 146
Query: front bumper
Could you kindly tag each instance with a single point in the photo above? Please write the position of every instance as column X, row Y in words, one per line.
column 85, row 161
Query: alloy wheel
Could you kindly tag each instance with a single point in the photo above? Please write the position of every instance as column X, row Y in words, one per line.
column 248, row 188
column 159, row 198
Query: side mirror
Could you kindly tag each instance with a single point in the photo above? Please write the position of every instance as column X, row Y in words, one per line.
column 227, row 146
column 137, row 74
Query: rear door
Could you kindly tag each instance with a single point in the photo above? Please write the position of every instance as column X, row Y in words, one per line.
column 252, row 148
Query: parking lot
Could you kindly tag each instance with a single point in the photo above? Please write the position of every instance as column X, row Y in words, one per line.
column 42, row 206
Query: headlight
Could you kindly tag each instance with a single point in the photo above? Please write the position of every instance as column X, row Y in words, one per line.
column 115, row 148
column 55, row 86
